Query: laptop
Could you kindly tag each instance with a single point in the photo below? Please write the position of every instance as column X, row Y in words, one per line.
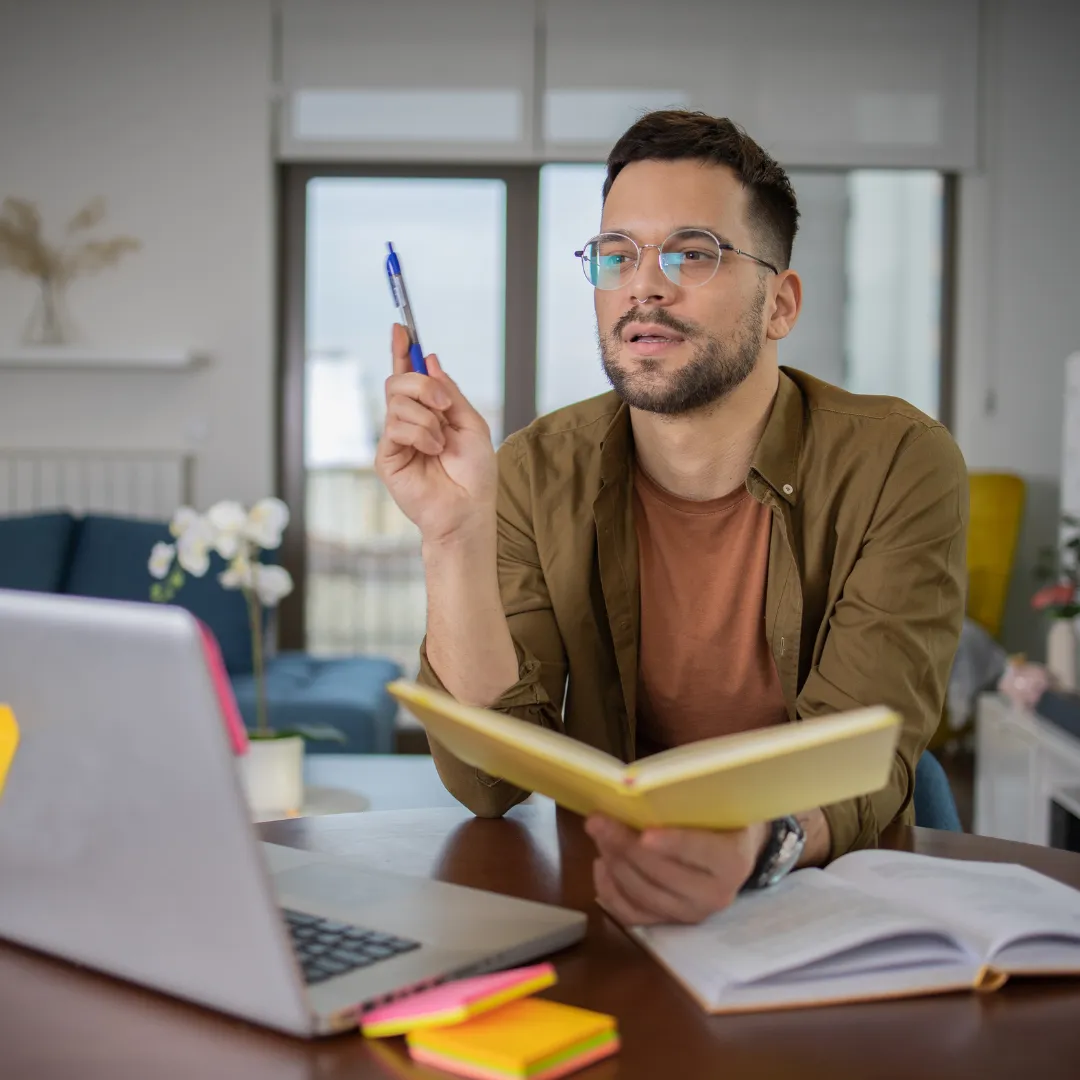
column 126, row 844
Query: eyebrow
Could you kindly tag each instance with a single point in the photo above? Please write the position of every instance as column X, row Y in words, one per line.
column 679, row 228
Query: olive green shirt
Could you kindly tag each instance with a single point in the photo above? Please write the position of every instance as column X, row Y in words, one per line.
column 864, row 596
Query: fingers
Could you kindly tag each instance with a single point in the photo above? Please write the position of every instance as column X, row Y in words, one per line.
column 612, row 900
column 664, row 887
column 664, row 902
column 399, row 349
column 432, row 387
column 408, row 423
column 420, row 388
column 612, row 835
column 683, row 881
column 723, row 854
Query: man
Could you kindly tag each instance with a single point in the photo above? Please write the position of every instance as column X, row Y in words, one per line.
column 717, row 545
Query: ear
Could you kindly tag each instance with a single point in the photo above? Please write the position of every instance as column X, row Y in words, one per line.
column 786, row 304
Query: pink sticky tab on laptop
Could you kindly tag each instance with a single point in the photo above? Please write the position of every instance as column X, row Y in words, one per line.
column 454, row 1002
column 230, row 711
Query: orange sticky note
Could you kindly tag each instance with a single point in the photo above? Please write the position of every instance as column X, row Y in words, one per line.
column 531, row 1039
column 9, row 742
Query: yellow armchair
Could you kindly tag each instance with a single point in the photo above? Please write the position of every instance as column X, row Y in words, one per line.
column 997, row 506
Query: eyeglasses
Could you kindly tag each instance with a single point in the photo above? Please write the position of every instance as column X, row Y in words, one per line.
column 688, row 257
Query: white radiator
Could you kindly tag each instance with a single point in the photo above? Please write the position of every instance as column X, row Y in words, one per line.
column 135, row 483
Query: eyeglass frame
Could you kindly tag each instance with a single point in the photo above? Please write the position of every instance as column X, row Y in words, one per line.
column 640, row 248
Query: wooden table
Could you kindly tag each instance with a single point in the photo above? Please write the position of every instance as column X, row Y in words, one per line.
column 56, row 1021
column 385, row 781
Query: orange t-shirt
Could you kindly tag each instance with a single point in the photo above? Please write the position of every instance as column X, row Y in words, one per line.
column 704, row 666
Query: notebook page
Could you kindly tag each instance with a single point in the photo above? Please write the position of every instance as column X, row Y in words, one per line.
column 806, row 918
column 987, row 905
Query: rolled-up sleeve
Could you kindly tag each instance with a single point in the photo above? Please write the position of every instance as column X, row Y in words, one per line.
column 895, row 629
column 537, row 696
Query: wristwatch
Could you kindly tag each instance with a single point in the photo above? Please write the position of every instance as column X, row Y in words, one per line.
column 779, row 856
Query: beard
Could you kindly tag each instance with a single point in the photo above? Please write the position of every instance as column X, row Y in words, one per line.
column 716, row 368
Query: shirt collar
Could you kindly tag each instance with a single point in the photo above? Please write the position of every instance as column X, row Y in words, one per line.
column 617, row 447
column 776, row 458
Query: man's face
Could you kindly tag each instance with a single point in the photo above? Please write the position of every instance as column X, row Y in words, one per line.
column 671, row 349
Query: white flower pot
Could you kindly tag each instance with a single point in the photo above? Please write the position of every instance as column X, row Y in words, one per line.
column 272, row 772
column 1061, row 652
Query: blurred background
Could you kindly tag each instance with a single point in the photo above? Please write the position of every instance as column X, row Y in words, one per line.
column 264, row 151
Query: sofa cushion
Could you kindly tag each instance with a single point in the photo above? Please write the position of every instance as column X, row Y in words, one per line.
column 347, row 692
column 34, row 551
column 109, row 560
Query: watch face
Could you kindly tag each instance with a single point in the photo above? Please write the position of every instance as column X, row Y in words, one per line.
column 792, row 841
column 780, row 855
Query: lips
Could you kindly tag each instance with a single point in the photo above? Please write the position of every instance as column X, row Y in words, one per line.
column 651, row 334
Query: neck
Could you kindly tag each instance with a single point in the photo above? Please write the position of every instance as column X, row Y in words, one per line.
column 707, row 454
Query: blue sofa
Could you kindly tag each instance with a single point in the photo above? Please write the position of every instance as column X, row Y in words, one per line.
column 106, row 557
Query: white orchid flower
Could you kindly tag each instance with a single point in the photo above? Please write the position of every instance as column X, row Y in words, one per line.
column 272, row 584
column 193, row 546
column 228, row 520
column 161, row 560
column 266, row 522
column 182, row 520
column 238, row 575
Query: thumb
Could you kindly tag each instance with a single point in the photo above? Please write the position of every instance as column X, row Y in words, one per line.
column 461, row 413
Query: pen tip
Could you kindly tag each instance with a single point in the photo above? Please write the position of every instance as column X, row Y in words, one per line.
column 390, row 247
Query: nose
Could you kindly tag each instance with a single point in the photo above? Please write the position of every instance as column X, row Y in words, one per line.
column 650, row 285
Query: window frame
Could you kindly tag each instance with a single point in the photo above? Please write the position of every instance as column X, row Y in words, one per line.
column 520, row 324
column 519, row 331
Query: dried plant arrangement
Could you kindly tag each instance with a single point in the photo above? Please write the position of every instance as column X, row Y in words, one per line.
column 25, row 250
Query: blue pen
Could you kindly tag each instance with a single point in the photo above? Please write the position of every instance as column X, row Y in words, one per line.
column 401, row 298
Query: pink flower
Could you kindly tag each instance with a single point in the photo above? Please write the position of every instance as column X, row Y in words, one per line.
column 1053, row 596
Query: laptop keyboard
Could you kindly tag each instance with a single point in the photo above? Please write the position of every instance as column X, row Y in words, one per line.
column 327, row 948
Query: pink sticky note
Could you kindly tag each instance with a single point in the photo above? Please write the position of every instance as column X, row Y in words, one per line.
column 230, row 711
column 453, row 1002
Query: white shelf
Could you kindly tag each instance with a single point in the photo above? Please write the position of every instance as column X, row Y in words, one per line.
column 58, row 358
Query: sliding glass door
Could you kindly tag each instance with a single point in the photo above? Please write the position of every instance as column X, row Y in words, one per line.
column 357, row 555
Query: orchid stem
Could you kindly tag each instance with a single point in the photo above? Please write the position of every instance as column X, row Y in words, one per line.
column 262, row 728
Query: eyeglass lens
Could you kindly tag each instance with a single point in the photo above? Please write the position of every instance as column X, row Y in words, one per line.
column 688, row 258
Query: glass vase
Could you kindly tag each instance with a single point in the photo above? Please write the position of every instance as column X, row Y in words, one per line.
column 49, row 322
column 1061, row 652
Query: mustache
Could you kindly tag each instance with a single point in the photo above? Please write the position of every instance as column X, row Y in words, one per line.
column 659, row 317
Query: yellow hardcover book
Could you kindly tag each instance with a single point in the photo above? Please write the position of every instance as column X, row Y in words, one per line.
column 723, row 783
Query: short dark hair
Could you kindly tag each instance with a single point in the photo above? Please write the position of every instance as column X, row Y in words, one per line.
column 680, row 134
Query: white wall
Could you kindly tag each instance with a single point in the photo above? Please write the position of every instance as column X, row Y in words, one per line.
column 1019, row 303
column 163, row 108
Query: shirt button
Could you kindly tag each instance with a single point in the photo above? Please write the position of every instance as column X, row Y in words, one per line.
column 788, row 489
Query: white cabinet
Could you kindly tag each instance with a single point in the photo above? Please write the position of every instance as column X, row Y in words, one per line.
column 1021, row 763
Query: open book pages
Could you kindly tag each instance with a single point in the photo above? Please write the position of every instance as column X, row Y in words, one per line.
column 722, row 783
column 875, row 924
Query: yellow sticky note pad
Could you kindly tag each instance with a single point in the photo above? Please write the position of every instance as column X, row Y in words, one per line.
column 529, row 1039
column 9, row 741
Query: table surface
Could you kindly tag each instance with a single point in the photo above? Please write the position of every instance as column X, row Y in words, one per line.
column 57, row 1021
column 386, row 781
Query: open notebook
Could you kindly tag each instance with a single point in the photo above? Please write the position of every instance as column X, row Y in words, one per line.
column 875, row 924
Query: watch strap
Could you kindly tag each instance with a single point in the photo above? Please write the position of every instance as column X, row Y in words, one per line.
column 779, row 856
